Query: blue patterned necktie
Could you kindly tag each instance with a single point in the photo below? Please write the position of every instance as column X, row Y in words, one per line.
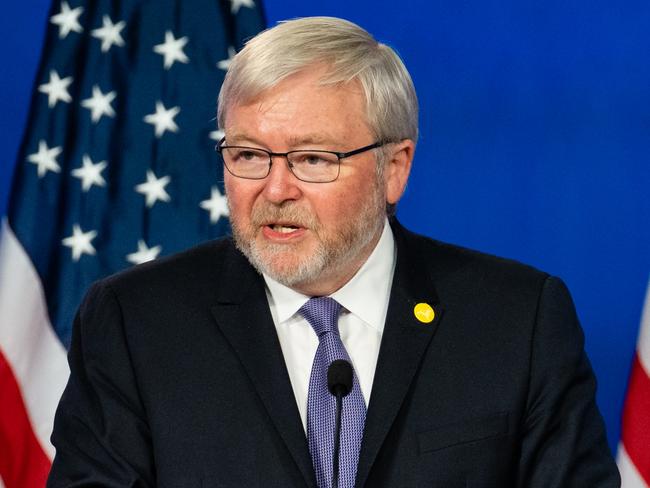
column 322, row 314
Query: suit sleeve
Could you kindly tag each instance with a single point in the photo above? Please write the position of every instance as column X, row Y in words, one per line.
column 100, row 432
column 564, row 442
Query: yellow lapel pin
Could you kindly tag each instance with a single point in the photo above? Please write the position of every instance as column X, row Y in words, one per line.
column 424, row 312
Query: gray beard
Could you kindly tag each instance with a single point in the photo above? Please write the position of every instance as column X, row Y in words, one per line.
column 334, row 253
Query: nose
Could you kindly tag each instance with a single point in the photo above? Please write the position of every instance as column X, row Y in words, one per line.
column 281, row 185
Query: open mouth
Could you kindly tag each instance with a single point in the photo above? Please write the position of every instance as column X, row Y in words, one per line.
column 284, row 229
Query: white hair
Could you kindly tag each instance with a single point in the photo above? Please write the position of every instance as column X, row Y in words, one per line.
column 349, row 52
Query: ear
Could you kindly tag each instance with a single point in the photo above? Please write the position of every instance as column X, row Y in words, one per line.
column 398, row 168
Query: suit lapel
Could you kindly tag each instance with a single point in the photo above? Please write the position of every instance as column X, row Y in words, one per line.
column 243, row 316
column 404, row 342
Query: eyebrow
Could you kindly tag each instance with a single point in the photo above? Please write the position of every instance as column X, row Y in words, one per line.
column 295, row 141
column 316, row 139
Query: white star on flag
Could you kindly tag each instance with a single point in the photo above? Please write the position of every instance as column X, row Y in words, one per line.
column 79, row 242
column 154, row 189
column 144, row 253
column 236, row 4
column 172, row 50
column 90, row 174
column 45, row 158
column 67, row 20
column 217, row 135
column 56, row 89
column 224, row 64
column 109, row 33
column 99, row 104
column 163, row 119
column 217, row 205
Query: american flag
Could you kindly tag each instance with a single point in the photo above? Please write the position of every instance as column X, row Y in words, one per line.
column 116, row 168
column 634, row 449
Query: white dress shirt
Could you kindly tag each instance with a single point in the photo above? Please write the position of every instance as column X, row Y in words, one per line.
column 364, row 301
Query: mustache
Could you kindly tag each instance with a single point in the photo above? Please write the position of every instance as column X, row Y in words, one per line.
column 286, row 213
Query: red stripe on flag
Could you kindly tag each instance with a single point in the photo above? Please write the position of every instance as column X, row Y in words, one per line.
column 636, row 420
column 23, row 462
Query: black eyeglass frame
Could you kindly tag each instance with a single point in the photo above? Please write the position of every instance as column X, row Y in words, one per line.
column 340, row 155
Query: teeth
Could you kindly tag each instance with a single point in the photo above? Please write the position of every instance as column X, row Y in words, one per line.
column 283, row 229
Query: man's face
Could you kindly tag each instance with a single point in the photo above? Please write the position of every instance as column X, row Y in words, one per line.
column 312, row 237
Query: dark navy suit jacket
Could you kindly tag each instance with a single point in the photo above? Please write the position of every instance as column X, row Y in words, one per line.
column 178, row 380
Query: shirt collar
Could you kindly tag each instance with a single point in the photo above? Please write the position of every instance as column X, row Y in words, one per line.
column 368, row 288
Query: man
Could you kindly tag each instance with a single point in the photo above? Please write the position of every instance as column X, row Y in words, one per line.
column 209, row 368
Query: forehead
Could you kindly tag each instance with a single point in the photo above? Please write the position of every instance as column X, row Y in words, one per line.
column 303, row 109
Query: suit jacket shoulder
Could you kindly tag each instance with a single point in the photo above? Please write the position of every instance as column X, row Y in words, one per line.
column 186, row 272
column 448, row 264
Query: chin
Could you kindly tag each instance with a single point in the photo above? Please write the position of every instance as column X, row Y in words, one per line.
column 287, row 265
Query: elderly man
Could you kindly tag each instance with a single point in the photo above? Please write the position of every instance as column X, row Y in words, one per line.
column 210, row 368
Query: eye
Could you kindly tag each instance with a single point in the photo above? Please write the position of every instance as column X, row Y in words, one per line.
column 247, row 155
column 313, row 158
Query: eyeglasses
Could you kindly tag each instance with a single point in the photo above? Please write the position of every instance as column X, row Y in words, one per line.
column 308, row 165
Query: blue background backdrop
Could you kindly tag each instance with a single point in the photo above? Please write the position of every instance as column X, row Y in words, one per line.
column 535, row 140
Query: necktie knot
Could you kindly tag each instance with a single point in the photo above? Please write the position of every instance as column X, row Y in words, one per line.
column 322, row 313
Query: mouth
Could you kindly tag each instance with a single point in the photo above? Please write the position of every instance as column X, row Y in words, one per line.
column 282, row 231
column 283, row 228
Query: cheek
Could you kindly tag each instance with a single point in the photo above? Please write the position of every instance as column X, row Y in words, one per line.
column 238, row 194
column 335, row 207
column 230, row 184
